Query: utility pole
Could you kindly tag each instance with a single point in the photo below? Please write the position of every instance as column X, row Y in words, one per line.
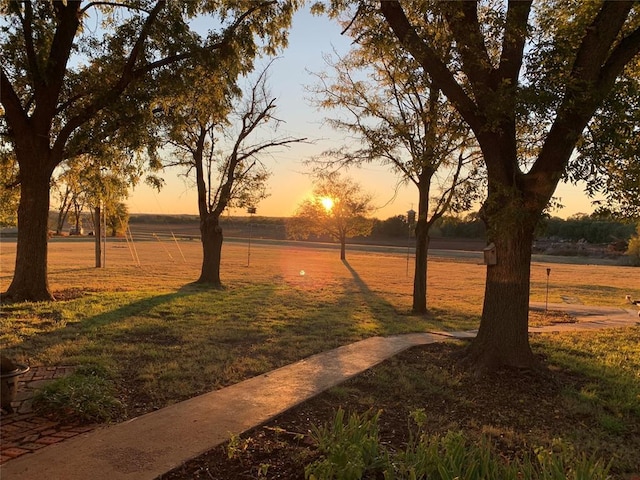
column 411, row 219
column 104, row 249
column 251, row 211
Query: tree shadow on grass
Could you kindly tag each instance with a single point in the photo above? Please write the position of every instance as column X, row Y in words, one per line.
column 368, row 294
column 390, row 318
column 58, row 331
column 133, row 332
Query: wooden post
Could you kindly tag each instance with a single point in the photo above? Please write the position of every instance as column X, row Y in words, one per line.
column 97, row 236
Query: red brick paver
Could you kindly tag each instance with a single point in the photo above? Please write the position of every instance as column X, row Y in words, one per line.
column 23, row 431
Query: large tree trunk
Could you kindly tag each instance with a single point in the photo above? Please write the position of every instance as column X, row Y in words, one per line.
column 422, row 249
column 420, row 273
column 30, row 281
column 343, row 249
column 211, row 237
column 503, row 338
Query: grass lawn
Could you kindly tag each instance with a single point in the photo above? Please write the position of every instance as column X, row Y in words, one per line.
column 159, row 339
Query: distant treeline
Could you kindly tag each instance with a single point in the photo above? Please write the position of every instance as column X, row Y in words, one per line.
column 592, row 230
column 587, row 228
column 582, row 228
column 159, row 219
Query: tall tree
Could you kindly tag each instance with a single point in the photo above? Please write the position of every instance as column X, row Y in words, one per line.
column 89, row 182
column 63, row 196
column 527, row 81
column 66, row 86
column 520, row 70
column 222, row 142
column 403, row 121
column 117, row 219
column 338, row 208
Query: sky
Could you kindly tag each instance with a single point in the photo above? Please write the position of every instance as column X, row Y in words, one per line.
column 310, row 38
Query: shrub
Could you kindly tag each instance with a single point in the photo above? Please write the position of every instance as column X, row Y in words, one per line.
column 353, row 451
column 349, row 449
column 633, row 250
column 85, row 396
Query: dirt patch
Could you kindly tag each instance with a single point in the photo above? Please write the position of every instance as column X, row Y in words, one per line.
column 518, row 412
column 538, row 318
column 72, row 293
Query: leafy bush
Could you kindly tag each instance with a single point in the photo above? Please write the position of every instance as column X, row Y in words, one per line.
column 633, row 250
column 353, row 451
column 85, row 396
column 349, row 450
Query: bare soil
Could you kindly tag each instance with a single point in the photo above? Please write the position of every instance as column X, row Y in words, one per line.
column 526, row 413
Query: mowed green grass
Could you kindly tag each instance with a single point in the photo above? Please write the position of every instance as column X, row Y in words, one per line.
column 163, row 339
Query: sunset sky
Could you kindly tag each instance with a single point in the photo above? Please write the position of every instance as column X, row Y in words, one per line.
column 310, row 38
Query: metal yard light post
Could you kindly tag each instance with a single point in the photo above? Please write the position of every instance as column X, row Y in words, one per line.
column 100, row 222
column 100, row 234
column 97, row 233
column 546, row 303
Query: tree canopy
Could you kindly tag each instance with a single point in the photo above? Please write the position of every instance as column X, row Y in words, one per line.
column 219, row 135
column 76, row 75
column 608, row 154
column 527, row 78
column 401, row 119
column 338, row 208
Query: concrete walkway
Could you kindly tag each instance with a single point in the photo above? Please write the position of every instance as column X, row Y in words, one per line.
column 152, row 444
column 588, row 317
column 148, row 446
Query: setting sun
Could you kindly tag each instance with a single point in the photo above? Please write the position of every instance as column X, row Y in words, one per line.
column 327, row 203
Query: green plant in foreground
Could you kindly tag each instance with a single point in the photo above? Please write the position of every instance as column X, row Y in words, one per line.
column 352, row 450
column 560, row 461
column 236, row 446
column 85, row 396
column 349, row 449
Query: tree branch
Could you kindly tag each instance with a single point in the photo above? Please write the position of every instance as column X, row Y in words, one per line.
column 47, row 89
column 113, row 4
column 462, row 18
column 32, row 58
column 126, row 77
column 427, row 57
column 589, row 85
column 599, row 37
column 127, row 72
column 515, row 35
column 628, row 48
column 130, row 74
column 11, row 103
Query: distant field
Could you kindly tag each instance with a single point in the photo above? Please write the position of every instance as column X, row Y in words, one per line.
column 454, row 283
column 276, row 231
